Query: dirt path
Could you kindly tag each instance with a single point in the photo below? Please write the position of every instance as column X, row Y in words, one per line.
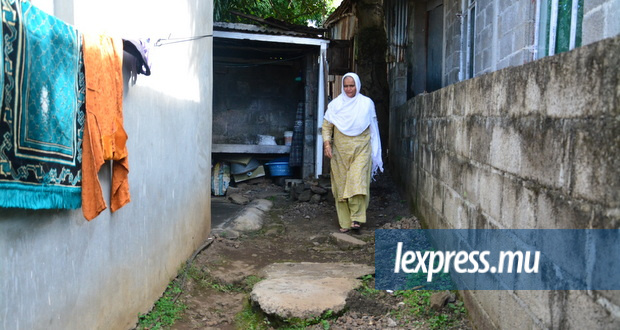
column 216, row 287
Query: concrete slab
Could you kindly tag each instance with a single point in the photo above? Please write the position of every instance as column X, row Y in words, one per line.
column 226, row 215
column 305, row 290
column 316, row 269
column 302, row 297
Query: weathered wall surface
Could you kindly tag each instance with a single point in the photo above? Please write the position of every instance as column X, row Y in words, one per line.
column 600, row 20
column 503, row 36
column 533, row 146
column 505, row 33
column 255, row 99
column 58, row 271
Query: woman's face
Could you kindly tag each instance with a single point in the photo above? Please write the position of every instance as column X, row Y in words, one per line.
column 349, row 87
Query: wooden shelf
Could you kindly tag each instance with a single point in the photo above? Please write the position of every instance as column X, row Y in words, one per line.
column 250, row 149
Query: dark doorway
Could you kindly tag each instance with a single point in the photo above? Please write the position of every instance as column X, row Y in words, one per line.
column 434, row 48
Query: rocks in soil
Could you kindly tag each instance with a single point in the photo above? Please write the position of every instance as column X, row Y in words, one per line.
column 315, row 199
column 274, row 230
column 356, row 302
column 310, row 191
column 305, row 196
column 318, row 190
column 404, row 223
column 346, row 242
column 238, row 199
column 233, row 190
column 439, row 299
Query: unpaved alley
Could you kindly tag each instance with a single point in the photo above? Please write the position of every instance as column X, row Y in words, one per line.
column 215, row 287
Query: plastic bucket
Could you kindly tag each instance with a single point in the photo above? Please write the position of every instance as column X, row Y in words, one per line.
column 279, row 167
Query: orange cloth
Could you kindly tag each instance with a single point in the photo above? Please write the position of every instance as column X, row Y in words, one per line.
column 104, row 136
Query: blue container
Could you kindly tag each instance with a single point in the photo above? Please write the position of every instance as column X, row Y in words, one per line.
column 279, row 167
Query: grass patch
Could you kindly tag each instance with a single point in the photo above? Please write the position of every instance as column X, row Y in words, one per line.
column 418, row 305
column 296, row 323
column 368, row 286
column 165, row 311
column 251, row 280
column 253, row 318
column 206, row 281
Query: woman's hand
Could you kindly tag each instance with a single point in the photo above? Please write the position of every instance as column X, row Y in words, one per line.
column 327, row 149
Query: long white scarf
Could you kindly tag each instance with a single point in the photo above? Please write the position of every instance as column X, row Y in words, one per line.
column 352, row 115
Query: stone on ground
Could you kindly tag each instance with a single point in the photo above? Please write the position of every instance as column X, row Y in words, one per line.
column 439, row 299
column 251, row 218
column 262, row 204
column 306, row 290
column 347, row 241
column 238, row 199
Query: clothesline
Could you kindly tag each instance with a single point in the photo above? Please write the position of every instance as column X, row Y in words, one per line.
column 234, row 65
column 168, row 41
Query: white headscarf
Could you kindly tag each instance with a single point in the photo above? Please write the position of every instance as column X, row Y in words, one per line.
column 353, row 115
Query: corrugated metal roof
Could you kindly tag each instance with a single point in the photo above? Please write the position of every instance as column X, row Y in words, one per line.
column 250, row 28
column 345, row 9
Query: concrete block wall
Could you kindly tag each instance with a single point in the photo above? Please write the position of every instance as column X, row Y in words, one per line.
column 503, row 36
column 600, row 20
column 515, row 32
column 532, row 146
column 253, row 101
column 505, row 31
column 484, row 40
column 452, row 63
column 398, row 84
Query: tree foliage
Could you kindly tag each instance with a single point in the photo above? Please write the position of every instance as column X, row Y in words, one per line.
column 291, row 11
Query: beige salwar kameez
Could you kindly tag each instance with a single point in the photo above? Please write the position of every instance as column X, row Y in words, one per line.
column 351, row 165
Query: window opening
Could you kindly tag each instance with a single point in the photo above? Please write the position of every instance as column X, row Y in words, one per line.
column 560, row 26
column 471, row 27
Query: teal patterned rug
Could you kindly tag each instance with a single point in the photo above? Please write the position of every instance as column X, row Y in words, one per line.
column 42, row 110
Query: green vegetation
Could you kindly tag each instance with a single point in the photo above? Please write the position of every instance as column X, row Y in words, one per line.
column 417, row 304
column 251, row 280
column 206, row 281
column 252, row 318
column 165, row 311
column 368, row 286
column 168, row 308
column 296, row 323
column 294, row 12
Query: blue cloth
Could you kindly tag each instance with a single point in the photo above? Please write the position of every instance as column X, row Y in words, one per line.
column 42, row 110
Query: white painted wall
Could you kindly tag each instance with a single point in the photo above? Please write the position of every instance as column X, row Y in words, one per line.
column 58, row 271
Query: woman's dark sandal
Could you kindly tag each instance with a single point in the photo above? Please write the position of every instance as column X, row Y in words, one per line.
column 344, row 230
column 355, row 225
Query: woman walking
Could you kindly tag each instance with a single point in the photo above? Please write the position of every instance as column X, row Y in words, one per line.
column 351, row 140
